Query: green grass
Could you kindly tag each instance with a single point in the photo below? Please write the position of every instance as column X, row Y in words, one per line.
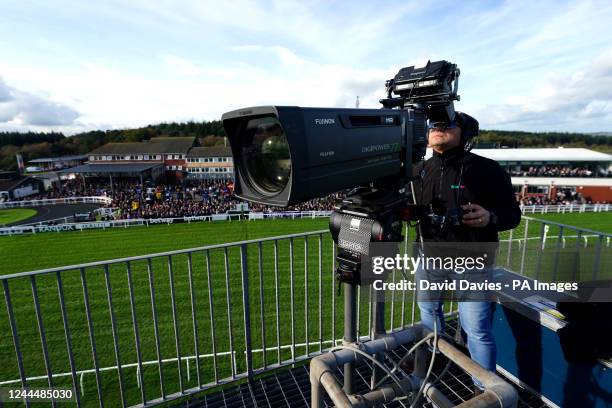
column 54, row 249
column 11, row 215
column 32, row 252
column 594, row 221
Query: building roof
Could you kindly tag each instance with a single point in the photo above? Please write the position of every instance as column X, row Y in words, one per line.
column 111, row 168
column 563, row 154
column 9, row 184
column 157, row 145
column 58, row 159
column 215, row 151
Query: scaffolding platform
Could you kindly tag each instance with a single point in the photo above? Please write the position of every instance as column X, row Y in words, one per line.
column 291, row 387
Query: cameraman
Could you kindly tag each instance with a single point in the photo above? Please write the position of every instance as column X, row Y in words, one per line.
column 469, row 199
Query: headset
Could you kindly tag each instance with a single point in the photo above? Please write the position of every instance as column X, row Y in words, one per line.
column 469, row 129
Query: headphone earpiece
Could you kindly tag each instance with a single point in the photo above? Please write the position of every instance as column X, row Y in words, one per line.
column 469, row 129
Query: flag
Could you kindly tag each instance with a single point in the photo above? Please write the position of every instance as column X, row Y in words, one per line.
column 20, row 165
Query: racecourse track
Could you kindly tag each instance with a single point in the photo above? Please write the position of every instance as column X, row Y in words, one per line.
column 53, row 212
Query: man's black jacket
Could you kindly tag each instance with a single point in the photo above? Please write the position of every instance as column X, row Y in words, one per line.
column 483, row 182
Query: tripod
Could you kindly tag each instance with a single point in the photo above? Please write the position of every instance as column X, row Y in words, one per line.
column 357, row 224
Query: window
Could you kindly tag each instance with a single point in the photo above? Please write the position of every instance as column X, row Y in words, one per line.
column 146, row 157
column 168, row 157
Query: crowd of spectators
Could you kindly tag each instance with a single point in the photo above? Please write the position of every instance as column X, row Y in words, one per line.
column 562, row 197
column 166, row 201
column 71, row 188
column 131, row 200
column 556, row 171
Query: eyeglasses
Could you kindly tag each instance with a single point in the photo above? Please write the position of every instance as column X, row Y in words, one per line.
column 442, row 126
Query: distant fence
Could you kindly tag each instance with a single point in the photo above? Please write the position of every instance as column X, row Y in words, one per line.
column 55, row 201
column 64, row 225
column 565, row 208
column 527, row 209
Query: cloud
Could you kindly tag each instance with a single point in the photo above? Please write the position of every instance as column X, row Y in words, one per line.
column 27, row 109
column 369, row 90
column 561, row 101
column 5, row 92
column 124, row 65
column 180, row 65
column 286, row 56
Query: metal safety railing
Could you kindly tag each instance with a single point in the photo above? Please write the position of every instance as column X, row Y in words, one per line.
column 552, row 251
column 148, row 329
column 175, row 323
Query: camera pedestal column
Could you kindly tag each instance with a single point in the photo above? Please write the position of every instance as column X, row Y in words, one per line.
column 378, row 330
column 350, row 330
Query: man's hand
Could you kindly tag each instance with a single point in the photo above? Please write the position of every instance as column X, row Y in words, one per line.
column 475, row 216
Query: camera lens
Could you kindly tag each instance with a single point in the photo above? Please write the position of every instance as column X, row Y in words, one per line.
column 266, row 156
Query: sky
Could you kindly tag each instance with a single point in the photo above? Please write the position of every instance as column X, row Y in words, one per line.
column 73, row 66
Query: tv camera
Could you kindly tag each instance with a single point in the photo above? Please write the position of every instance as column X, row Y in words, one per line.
column 287, row 154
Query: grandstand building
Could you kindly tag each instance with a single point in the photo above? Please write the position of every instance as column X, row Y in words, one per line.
column 14, row 187
column 44, row 164
column 555, row 173
column 170, row 152
column 210, row 163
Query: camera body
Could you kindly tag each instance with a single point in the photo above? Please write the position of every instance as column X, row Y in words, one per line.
column 287, row 154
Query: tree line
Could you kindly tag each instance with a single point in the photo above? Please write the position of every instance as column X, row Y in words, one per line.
column 33, row 145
